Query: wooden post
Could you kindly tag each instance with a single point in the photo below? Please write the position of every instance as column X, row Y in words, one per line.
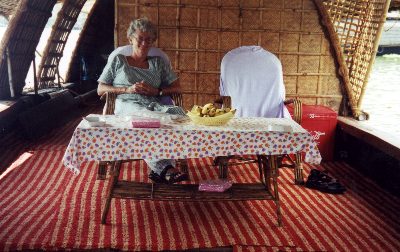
column 10, row 78
column 35, row 81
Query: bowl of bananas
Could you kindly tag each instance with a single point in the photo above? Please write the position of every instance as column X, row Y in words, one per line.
column 210, row 115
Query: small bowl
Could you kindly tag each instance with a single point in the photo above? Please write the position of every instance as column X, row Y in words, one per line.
column 94, row 121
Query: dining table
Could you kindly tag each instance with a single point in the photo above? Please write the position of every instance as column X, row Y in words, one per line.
column 117, row 141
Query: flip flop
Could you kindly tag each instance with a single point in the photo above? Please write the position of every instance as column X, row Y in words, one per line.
column 174, row 176
column 156, row 178
column 166, row 177
column 321, row 181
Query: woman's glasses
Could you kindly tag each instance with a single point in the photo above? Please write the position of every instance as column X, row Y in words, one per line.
column 145, row 40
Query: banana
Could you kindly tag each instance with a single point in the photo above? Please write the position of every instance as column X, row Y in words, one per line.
column 212, row 112
column 206, row 108
column 196, row 110
column 209, row 110
column 219, row 112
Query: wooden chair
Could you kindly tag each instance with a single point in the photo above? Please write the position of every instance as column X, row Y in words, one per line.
column 108, row 109
column 284, row 161
column 257, row 72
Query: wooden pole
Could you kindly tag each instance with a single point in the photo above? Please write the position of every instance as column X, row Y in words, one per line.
column 35, row 81
column 10, row 78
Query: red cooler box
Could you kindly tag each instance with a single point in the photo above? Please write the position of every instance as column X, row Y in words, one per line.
column 320, row 121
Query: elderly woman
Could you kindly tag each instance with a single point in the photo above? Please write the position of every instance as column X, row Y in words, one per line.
column 137, row 79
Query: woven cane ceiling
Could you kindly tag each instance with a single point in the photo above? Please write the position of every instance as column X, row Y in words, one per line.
column 7, row 7
column 394, row 4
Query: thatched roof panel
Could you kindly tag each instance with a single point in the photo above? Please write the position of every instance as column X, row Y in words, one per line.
column 8, row 7
column 394, row 5
column 21, row 38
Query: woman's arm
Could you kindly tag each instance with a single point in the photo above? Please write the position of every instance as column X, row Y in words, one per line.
column 103, row 88
column 175, row 87
column 145, row 89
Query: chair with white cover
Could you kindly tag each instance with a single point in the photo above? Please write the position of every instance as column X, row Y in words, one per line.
column 252, row 78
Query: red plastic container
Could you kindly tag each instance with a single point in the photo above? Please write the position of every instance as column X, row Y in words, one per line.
column 320, row 121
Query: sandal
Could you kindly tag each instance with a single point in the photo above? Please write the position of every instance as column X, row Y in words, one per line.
column 173, row 176
column 156, row 178
column 321, row 181
column 168, row 177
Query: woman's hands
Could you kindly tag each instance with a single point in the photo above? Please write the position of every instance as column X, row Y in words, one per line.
column 141, row 88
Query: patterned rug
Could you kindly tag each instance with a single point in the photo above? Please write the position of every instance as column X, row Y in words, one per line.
column 44, row 206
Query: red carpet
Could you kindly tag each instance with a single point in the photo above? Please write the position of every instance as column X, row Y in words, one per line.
column 44, row 206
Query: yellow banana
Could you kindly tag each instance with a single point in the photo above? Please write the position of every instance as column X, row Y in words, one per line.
column 212, row 112
column 206, row 108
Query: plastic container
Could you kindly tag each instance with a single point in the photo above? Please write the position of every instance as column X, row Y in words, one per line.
column 146, row 123
column 215, row 185
column 321, row 122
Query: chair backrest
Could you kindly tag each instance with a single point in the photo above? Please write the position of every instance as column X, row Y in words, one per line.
column 127, row 51
column 253, row 78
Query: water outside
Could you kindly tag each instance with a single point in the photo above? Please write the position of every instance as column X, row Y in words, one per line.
column 382, row 96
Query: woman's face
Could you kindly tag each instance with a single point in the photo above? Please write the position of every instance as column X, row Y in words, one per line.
column 142, row 42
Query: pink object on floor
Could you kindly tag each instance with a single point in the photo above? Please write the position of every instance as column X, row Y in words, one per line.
column 216, row 185
column 146, row 123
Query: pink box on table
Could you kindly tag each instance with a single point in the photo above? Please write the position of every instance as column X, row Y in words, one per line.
column 145, row 123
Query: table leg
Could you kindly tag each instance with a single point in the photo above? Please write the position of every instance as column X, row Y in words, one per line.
column 298, row 170
column 273, row 166
column 223, row 167
column 102, row 171
column 113, row 181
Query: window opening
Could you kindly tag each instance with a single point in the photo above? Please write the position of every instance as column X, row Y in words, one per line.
column 69, row 46
column 74, row 38
column 3, row 25
column 381, row 99
column 44, row 38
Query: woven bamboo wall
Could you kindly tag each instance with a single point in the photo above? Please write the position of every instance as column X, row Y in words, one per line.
column 197, row 34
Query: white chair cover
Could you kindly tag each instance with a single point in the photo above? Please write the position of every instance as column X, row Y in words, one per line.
column 253, row 78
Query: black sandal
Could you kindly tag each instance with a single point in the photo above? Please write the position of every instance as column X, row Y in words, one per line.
column 173, row 177
column 323, row 182
column 168, row 178
column 156, row 178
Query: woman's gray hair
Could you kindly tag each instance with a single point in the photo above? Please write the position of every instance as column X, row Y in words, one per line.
column 142, row 24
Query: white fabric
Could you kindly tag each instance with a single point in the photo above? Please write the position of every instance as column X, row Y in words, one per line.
column 127, row 51
column 253, row 78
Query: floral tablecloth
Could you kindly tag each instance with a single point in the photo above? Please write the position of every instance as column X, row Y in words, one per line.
column 117, row 140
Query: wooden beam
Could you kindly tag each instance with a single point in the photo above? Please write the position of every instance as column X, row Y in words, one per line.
column 371, row 135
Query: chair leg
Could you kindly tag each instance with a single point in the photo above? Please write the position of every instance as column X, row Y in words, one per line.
column 183, row 165
column 260, row 167
column 298, row 170
column 102, row 170
column 216, row 161
column 113, row 182
column 273, row 166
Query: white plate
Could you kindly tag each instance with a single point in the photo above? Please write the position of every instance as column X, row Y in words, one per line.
column 94, row 121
